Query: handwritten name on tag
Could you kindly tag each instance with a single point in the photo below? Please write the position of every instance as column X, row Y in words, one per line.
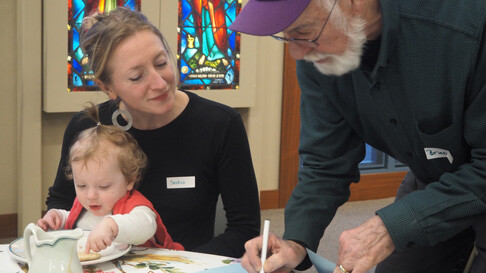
column 181, row 182
column 433, row 153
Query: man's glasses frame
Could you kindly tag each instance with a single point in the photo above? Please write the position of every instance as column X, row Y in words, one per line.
column 306, row 42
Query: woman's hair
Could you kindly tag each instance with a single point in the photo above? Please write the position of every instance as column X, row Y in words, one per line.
column 91, row 143
column 101, row 33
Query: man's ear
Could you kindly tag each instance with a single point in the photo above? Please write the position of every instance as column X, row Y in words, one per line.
column 106, row 89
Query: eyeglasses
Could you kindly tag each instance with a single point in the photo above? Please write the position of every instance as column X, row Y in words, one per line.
column 306, row 42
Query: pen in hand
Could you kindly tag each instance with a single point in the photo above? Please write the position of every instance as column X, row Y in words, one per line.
column 266, row 228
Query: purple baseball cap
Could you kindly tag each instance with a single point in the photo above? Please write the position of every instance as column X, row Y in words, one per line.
column 267, row 17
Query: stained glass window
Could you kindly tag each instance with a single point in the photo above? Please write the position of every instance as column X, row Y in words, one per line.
column 80, row 78
column 208, row 51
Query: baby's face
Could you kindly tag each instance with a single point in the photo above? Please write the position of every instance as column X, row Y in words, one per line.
column 99, row 183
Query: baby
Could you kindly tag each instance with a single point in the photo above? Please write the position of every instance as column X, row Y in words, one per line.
column 106, row 164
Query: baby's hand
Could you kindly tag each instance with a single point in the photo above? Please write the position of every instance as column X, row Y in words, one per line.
column 102, row 235
column 52, row 220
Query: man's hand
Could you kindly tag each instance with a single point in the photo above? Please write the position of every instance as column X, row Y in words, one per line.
column 365, row 246
column 282, row 255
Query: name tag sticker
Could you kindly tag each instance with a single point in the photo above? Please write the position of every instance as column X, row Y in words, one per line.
column 181, row 182
column 433, row 153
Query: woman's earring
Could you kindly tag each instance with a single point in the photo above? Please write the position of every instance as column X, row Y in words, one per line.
column 126, row 114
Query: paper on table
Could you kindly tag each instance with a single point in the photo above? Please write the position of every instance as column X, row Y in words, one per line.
column 8, row 264
column 322, row 265
column 232, row 268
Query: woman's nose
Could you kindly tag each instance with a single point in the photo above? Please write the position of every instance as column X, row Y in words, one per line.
column 157, row 80
column 297, row 51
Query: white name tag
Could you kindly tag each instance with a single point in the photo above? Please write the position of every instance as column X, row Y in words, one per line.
column 181, row 182
column 433, row 153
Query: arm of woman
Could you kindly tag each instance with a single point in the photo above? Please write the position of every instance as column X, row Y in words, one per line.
column 239, row 193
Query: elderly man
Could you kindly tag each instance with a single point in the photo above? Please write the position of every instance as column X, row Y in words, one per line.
column 409, row 78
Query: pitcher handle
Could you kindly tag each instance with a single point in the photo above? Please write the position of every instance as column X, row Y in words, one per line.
column 27, row 233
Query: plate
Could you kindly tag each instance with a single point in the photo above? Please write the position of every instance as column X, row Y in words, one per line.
column 16, row 250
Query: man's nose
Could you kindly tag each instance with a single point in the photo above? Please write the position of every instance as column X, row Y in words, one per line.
column 297, row 51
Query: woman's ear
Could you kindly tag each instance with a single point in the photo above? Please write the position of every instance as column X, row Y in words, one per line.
column 106, row 89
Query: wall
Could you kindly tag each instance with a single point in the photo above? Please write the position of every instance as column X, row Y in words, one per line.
column 262, row 121
column 8, row 107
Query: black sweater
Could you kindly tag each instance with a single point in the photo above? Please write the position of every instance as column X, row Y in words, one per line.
column 207, row 141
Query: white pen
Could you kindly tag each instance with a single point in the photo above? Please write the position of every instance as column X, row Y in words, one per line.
column 266, row 228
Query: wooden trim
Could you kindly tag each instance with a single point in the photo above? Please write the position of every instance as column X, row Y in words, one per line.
column 371, row 186
column 8, row 226
column 376, row 186
column 269, row 199
column 290, row 130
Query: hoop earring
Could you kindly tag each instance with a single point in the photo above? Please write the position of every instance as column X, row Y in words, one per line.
column 114, row 119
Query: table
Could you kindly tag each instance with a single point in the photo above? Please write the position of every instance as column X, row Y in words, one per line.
column 145, row 260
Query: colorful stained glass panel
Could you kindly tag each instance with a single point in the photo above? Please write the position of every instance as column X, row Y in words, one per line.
column 208, row 52
column 80, row 78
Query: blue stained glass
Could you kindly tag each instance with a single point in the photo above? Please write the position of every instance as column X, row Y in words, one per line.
column 77, row 66
column 75, row 38
column 204, row 54
column 195, row 82
column 130, row 4
column 183, row 42
column 189, row 53
column 188, row 23
column 77, row 6
column 231, row 12
column 89, row 83
column 184, row 64
column 190, row 30
column 186, row 10
column 79, row 19
column 78, row 54
column 77, row 80
column 230, row 76
column 232, row 41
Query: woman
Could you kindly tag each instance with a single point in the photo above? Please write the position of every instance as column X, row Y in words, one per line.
column 197, row 149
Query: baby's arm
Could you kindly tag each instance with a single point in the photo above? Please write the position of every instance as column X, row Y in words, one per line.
column 136, row 227
column 54, row 219
column 102, row 235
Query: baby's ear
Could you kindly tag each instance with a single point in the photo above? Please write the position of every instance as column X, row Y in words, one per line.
column 130, row 185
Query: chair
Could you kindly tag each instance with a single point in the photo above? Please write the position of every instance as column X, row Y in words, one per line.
column 220, row 221
column 470, row 261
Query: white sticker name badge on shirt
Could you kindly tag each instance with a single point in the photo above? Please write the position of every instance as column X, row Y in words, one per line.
column 181, row 182
column 433, row 153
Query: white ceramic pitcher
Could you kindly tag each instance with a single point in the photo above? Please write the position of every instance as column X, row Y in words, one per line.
column 55, row 251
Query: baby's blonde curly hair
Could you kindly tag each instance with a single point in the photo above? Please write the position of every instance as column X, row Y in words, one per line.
column 91, row 143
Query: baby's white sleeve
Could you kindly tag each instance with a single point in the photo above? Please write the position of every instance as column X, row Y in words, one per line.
column 64, row 215
column 136, row 227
